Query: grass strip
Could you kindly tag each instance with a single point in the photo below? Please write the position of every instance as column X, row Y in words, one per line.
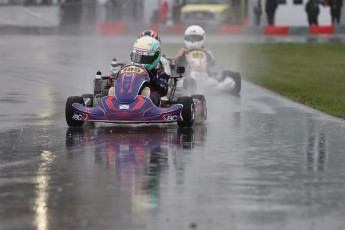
column 312, row 74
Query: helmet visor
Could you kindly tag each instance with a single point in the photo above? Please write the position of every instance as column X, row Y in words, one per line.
column 143, row 58
column 193, row 38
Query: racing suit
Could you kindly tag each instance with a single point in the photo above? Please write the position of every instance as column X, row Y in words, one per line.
column 164, row 64
column 158, row 84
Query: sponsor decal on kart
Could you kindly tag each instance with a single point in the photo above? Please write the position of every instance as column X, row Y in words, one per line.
column 124, row 107
column 170, row 117
column 77, row 117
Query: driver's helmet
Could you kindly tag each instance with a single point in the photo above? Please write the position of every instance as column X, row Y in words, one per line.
column 194, row 37
column 150, row 33
column 115, row 67
column 146, row 51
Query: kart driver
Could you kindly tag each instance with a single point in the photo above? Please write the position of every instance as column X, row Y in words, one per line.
column 194, row 39
column 163, row 64
column 146, row 52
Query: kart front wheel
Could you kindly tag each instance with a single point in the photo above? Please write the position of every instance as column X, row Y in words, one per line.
column 69, row 111
column 188, row 111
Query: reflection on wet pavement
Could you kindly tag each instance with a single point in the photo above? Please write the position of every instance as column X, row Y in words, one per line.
column 316, row 153
column 138, row 156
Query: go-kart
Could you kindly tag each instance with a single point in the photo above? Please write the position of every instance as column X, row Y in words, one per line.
column 199, row 76
column 128, row 106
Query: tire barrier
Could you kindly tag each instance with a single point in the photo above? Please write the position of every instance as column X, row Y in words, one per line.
column 113, row 28
column 230, row 29
column 276, row 30
column 322, row 30
column 121, row 28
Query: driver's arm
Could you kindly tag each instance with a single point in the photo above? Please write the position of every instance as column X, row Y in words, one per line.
column 180, row 59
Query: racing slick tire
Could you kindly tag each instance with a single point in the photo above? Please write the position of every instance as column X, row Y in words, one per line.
column 202, row 99
column 188, row 111
column 236, row 76
column 69, row 111
column 88, row 96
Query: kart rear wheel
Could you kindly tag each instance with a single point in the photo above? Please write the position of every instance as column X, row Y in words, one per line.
column 236, row 76
column 202, row 99
column 89, row 96
column 188, row 111
column 69, row 111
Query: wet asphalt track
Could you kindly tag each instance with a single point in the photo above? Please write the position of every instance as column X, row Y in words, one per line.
column 260, row 162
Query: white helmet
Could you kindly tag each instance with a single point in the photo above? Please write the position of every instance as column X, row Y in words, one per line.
column 194, row 37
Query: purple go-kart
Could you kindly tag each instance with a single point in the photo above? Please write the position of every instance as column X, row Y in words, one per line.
column 128, row 106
